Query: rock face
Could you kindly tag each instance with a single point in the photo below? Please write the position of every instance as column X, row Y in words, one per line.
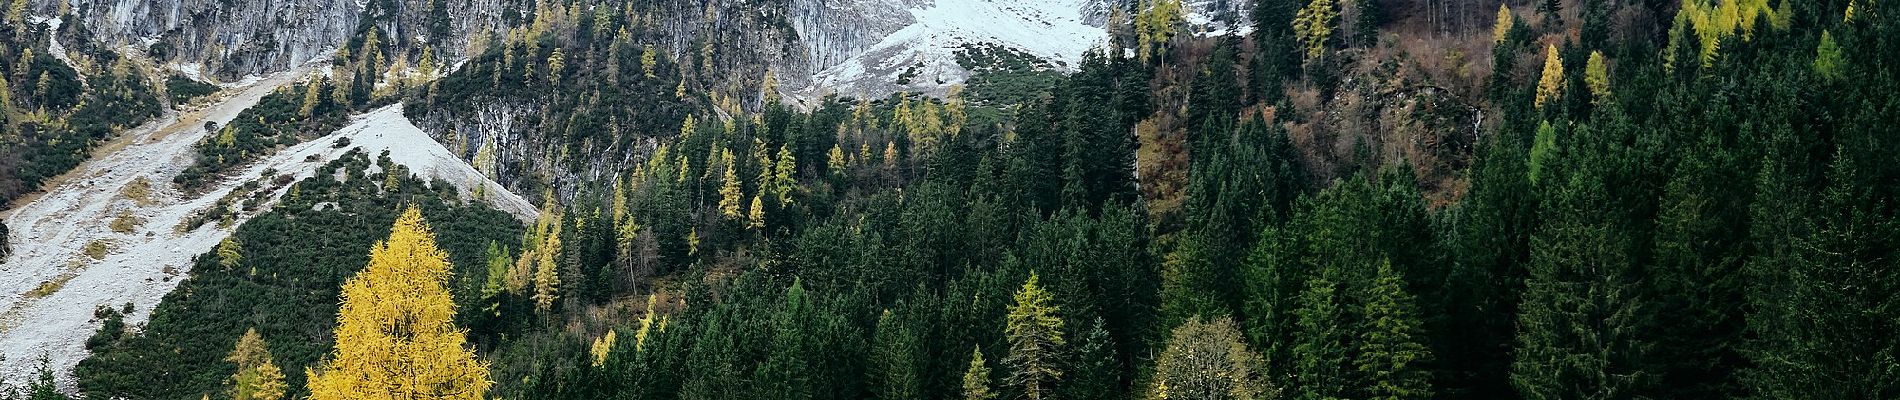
column 231, row 39
column 226, row 38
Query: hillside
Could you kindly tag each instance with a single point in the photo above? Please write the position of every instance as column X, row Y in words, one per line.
column 977, row 199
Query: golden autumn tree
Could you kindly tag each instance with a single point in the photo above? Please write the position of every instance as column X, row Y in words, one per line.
column 1552, row 84
column 396, row 333
column 1502, row 29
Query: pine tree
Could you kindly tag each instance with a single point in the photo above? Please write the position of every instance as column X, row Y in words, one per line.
column 1390, row 354
column 1035, row 335
column 396, row 334
column 976, row 379
column 257, row 377
column 1208, row 360
column 1096, row 372
column 1552, row 83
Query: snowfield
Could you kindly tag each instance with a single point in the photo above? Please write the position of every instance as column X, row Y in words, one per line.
column 1051, row 29
column 49, row 286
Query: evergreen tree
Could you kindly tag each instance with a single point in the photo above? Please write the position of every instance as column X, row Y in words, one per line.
column 1096, row 370
column 1320, row 358
column 1390, row 355
column 396, row 335
column 894, row 358
column 1035, row 338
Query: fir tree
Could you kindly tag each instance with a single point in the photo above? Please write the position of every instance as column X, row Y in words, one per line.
column 1320, row 357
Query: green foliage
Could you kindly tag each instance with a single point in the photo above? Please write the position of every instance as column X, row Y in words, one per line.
column 183, row 89
column 1035, row 337
column 276, row 122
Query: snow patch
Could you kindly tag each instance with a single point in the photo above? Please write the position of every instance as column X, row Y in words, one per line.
column 926, row 49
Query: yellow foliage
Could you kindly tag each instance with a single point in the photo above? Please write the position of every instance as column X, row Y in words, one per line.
column 1597, row 76
column 1503, row 27
column 755, row 219
column 1314, row 25
column 1156, row 24
column 729, row 193
column 646, row 323
column 602, row 347
column 396, row 336
column 257, row 378
column 547, row 275
column 1552, row 84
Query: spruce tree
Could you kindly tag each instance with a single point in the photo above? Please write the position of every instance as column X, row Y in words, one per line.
column 1320, row 358
column 1391, row 357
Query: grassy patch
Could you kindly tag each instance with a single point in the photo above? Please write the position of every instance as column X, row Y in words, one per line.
column 140, row 190
column 50, row 286
column 125, row 222
column 98, row 248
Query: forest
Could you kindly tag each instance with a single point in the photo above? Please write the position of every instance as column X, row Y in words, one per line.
column 1379, row 199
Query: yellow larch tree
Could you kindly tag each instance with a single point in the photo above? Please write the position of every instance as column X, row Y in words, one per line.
column 396, row 336
column 1502, row 29
column 257, row 378
column 729, row 194
column 1597, row 76
column 1313, row 25
column 1552, row 84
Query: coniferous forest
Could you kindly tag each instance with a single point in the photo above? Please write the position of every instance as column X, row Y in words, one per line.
column 1353, row 199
